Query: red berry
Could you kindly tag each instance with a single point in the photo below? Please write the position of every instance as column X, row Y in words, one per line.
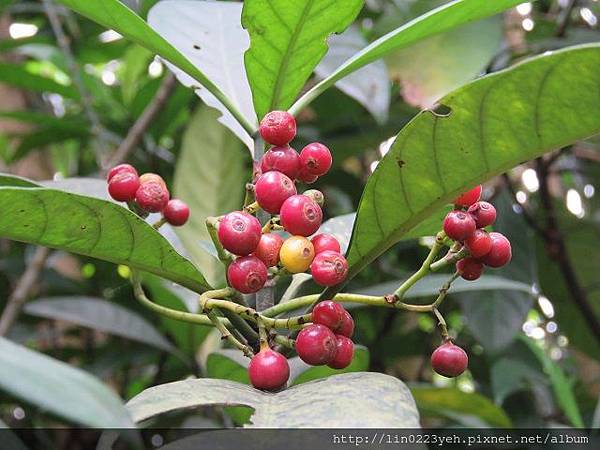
column 152, row 197
column 347, row 328
column 278, row 127
column 344, row 354
column 470, row 197
column 123, row 186
column 283, row 159
column 272, row 189
column 121, row 168
column 316, row 159
column 479, row 243
column 328, row 313
column 247, row 274
column 469, row 268
column 305, row 177
column 323, row 242
column 459, row 225
column 300, row 215
column 449, row 360
column 268, row 249
column 268, row 370
column 484, row 213
column 501, row 252
column 316, row 345
column 239, row 232
column 329, row 268
column 176, row 212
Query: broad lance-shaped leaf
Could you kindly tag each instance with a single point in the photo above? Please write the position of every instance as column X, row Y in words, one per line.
column 493, row 124
column 92, row 227
column 287, row 41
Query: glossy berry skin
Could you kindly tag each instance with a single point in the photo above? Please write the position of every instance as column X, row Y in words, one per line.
column 239, row 232
column 152, row 178
column 152, row 197
column 329, row 268
column 316, row 345
column 501, row 252
column 268, row 249
column 123, row 186
column 328, row 313
column 278, row 127
column 344, row 353
column 316, row 195
column 458, row 225
column 469, row 197
column 283, row 159
column 121, row 168
column 305, row 177
column 247, row 274
column 449, row 360
column 316, row 159
column 479, row 243
column 347, row 328
column 268, row 370
column 484, row 213
column 296, row 254
column 272, row 189
column 300, row 215
column 176, row 213
column 323, row 242
column 469, row 268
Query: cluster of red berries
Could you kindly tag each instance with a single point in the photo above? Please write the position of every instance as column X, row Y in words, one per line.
column 300, row 215
column 465, row 224
column 147, row 193
column 326, row 341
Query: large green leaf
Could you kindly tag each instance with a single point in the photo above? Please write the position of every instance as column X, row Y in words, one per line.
column 92, row 227
column 59, row 388
column 19, row 76
column 379, row 401
column 494, row 123
column 210, row 176
column 434, row 22
column 287, row 41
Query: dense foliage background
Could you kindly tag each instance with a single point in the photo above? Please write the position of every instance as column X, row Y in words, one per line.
column 75, row 97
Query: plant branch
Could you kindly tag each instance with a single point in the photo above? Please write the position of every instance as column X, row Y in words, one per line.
column 226, row 334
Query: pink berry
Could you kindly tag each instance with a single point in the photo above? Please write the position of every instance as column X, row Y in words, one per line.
column 501, row 252
column 300, row 215
column 344, row 354
column 323, row 242
column 329, row 268
column 268, row 370
column 176, row 213
column 272, row 189
column 328, row 313
column 316, row 159
column 469, row 268
column 278, row 127
column 484, row 213
column 239, row 232
column 305, row 177
column 247, row 274
column 316, row 345
column 121, row 168
column 123, row 186
column 449, row 360
column 347, row 328
column 469, row 197
column 268, row 249
column 152, row 197
column 282, row 159
column 458, row 225
column 479, row 243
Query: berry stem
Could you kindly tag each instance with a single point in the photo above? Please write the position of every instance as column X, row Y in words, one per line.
column 441, row 324
column 252, row 208
column 226, row 334
column 444, row 290
column 450, row 258
column 159, row 223
column 249, row 196
column 211, row 226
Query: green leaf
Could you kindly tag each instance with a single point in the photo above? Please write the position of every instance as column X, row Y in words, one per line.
column 100, row 315
column 59, row 388
column 16, row 181
column 509, row 375
column 461, row 406
column 434, row 22
column 330, row 401
column 210, row 176
column 287, row 41
column 92, row 227
column 494, row 124
column 19, row 76
column 228, row 364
